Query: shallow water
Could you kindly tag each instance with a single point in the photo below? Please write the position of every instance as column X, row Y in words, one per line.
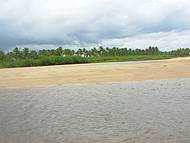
column 142, row 112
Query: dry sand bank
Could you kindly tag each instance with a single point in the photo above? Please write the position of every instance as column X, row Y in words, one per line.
column 95, row 73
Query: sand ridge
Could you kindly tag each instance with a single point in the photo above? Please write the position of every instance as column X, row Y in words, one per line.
column 95, row 73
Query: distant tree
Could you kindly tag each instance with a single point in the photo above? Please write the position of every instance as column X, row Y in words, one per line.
column 2, row 55
column 79, row 52
column 85, row 52
column 94, row 52
column 25, row 53
column 43, row 52
column 68, row 52
column 59, row 51
column 33, row 54
column 17, row 54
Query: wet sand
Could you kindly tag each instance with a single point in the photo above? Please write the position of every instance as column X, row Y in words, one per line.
column 134, row 112
column 95, row 73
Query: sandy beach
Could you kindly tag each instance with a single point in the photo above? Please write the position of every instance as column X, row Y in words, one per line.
column 95, row 73
column 130, row 102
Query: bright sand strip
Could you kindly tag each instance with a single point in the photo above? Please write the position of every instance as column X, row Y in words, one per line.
column 95, row 73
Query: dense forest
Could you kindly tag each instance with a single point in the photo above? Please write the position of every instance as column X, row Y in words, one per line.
column 19, row 57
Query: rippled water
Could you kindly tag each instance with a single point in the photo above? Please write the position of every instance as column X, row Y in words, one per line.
column 142, row 112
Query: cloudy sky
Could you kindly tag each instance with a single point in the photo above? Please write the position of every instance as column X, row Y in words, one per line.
column 86, row 23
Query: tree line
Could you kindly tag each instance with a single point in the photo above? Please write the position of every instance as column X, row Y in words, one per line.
column 26, row 53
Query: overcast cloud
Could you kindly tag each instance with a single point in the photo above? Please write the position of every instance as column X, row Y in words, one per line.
column 134, row 24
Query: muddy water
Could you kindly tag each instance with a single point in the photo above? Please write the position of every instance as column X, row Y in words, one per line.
column 136, row 112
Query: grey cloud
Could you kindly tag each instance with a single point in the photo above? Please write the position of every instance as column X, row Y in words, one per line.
column 164, row 40
column 84, row 22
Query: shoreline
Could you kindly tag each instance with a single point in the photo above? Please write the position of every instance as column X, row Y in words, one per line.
column 94, row 73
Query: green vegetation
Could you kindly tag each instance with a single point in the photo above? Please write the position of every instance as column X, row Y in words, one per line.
column 28, row 58
column 128, row 58
column 44, row 61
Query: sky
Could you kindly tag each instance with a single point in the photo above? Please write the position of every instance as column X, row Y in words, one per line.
column 88, row 23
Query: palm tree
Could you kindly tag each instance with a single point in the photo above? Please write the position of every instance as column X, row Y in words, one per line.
column 85, row 52
column 2, row 55
column 17, row 53
column 59, row 51
column 33, row 54
column 79, row 52
column 25, row 53
column 68, row 52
